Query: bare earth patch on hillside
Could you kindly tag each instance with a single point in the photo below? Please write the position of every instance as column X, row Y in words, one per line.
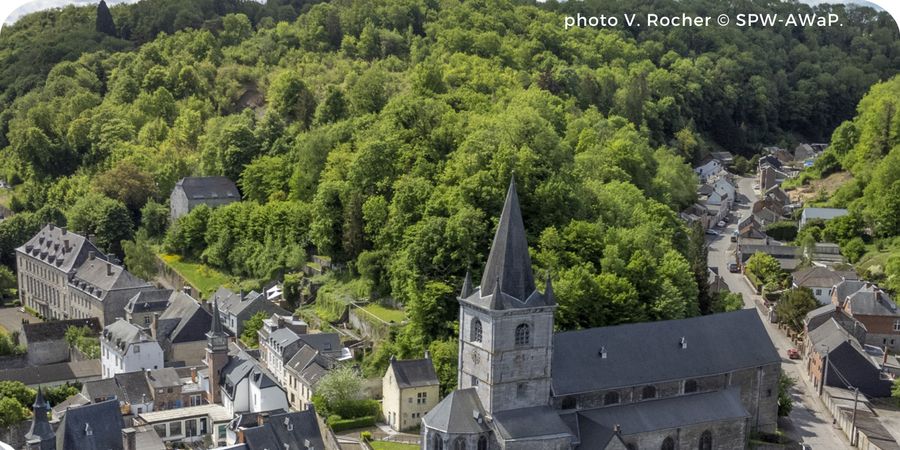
column 827, row 185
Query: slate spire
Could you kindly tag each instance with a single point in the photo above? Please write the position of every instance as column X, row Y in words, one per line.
column 509, row 260
column 467, row 288
column 216, row 329
column 549, row 298
column 41, row 430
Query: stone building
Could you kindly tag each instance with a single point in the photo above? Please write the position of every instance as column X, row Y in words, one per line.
column 874, row 308
column 102, row 289
column 303, row 372
column 140, row 309
column 672, row 384
column 236, row 308
column 181, row 329
column 410, row 388
column 191, row 192
column 44, row 265
column 46, row 341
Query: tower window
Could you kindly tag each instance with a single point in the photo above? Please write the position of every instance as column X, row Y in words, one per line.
column 475, row 330
column 482, row 443
column 521, row 389
column 523, row 334
column 648, row 392
column 690, row 386
column 668, row 444
column 569, row 402
column 460, row 444
column 706, row 440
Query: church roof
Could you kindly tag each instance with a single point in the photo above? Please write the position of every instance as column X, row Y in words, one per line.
column 597, row 425
column 96, row 426
column 714, row 344
column 40, row 425
column 290, row 430
column 530, row 423
column 458, row 413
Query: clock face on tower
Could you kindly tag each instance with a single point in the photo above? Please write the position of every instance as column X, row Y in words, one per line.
column 475, row 356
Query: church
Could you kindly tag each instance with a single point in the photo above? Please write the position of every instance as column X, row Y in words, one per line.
column 698, row 383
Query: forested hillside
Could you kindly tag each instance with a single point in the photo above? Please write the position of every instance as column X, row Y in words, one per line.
column 383, row 134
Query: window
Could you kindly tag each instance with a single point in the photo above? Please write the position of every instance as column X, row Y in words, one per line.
column 897, row 325
column 438, row 443
column 668, row 444
column 137, row 348
column 146, row 320
column 175, row 429
column 690, row 386
column 521, row 390
column 482, row 443
column 818, row 292
column 160, row 430
column 421, row 398
column 569, row 402
column 611, row 398
column 648, row 392
column 459, row 444
column 706, row 441
column 475, row 330
column 221, row 431
column 523, row 336
column 630, row 446
column 190, row 427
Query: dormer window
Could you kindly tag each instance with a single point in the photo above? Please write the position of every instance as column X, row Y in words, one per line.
column 87, row 430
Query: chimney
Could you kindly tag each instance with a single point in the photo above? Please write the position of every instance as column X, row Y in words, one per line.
column 129, row 438
column 617, row 429
column 193, row 374
column 109, row 270
column 602, row 352
column 186, row 289
column 683, row 343
column 92, row 255
column 66, row 245
column 154, row 325
column 427, row 354
column 63, row 230
column 51, row 226
column 884, row 356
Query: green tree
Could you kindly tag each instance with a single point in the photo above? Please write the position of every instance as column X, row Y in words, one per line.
column 16, row 390
column 128, row 184
column 105, row 23
column 11, row 412
column 249, row 336
column 187, row 236
column 57, row 394
column 107, row 219
column 785, row 400
column 765, row 268
column 793, row 305
column 340, row 386
column 140, row 259
column 726, row 302
column 291, row 98
column 7, row 283
column 854, row 249
column 154, row 219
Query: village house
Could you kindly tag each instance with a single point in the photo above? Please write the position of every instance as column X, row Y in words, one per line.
column 238, row 307
column 54, row 374
column 707, row 168
column 410, row 388
column 849, row 366
column 126, row 348
column 45, row 342
column 827, row 254
column 140, row 309
column 95, row 425
column 303, row 372
column 787, row 256
column 181, row 329
column 520, row 385
column 130, row 389
column 191, row 192
column 188, row 425
column 44, row 265
column 102, row 289
column 820, row 281
column 874, row 308
column 824, row 214
column 293, row 430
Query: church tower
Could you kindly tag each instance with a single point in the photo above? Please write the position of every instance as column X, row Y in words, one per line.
column 506, row 324
column 216, row 355
column 41, row 435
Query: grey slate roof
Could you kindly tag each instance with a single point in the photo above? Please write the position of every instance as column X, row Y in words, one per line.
column 843, row 289
column 817, row 277
column 847, row 355
column 869, row 300
column 134, row 386
column 823, row 213
column 596, row 425
column 323, row 342
column 456, row 413
column 53, row 373
column 121, row 333
column 152, row 300
column 292, row 430
column 49, row 245
column 184, row 320
column 713, row 347
column 56, row 330
column 414, row 372
column 530, row 423
column 98, row 277
column 165, row 377
column 40, row 424
column 97, row 426
column 106, row 388
column 235, row 302
column 241, row 365
column 200, row 188
column 509, row 261
column 309, row 365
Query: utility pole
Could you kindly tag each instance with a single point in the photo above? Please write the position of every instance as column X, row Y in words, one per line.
column 853, row 420
column 824, row 371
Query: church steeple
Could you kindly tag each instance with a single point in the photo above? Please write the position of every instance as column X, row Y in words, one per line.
column 216, row 354
column 509, row 260
column 41, row 435
column 467, row 288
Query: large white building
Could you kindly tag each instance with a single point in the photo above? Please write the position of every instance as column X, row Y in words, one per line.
column 126, row 348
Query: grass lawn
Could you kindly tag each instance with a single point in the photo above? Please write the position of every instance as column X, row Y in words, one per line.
column 204, row 278
column 384, row 445
column 386, row 314
column 6, row 196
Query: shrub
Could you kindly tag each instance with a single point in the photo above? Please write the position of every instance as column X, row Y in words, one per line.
column 366, row 436
column 349, row 424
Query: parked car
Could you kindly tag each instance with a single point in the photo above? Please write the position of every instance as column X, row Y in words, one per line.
column 793, row 353
column 734, row 268
column 712, row 232
column 721, row 224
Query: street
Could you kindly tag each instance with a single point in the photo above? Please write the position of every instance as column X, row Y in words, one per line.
column 808, row 422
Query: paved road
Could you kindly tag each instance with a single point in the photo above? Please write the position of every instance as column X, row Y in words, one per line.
column 809, row 421
column 11, row 319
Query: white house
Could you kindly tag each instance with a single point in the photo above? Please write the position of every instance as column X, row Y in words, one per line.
column 722, row 193
column 820, row 281
column 709, row 167
column 248, row 387
column 825, row 214
column 126, row 348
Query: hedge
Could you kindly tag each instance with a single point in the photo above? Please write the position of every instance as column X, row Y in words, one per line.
column 349, row 424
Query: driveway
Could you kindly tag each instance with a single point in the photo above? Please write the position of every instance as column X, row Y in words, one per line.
column 809, row 421
column 11, row 319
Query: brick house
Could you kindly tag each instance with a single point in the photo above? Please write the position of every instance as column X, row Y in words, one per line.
column 874, row 308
